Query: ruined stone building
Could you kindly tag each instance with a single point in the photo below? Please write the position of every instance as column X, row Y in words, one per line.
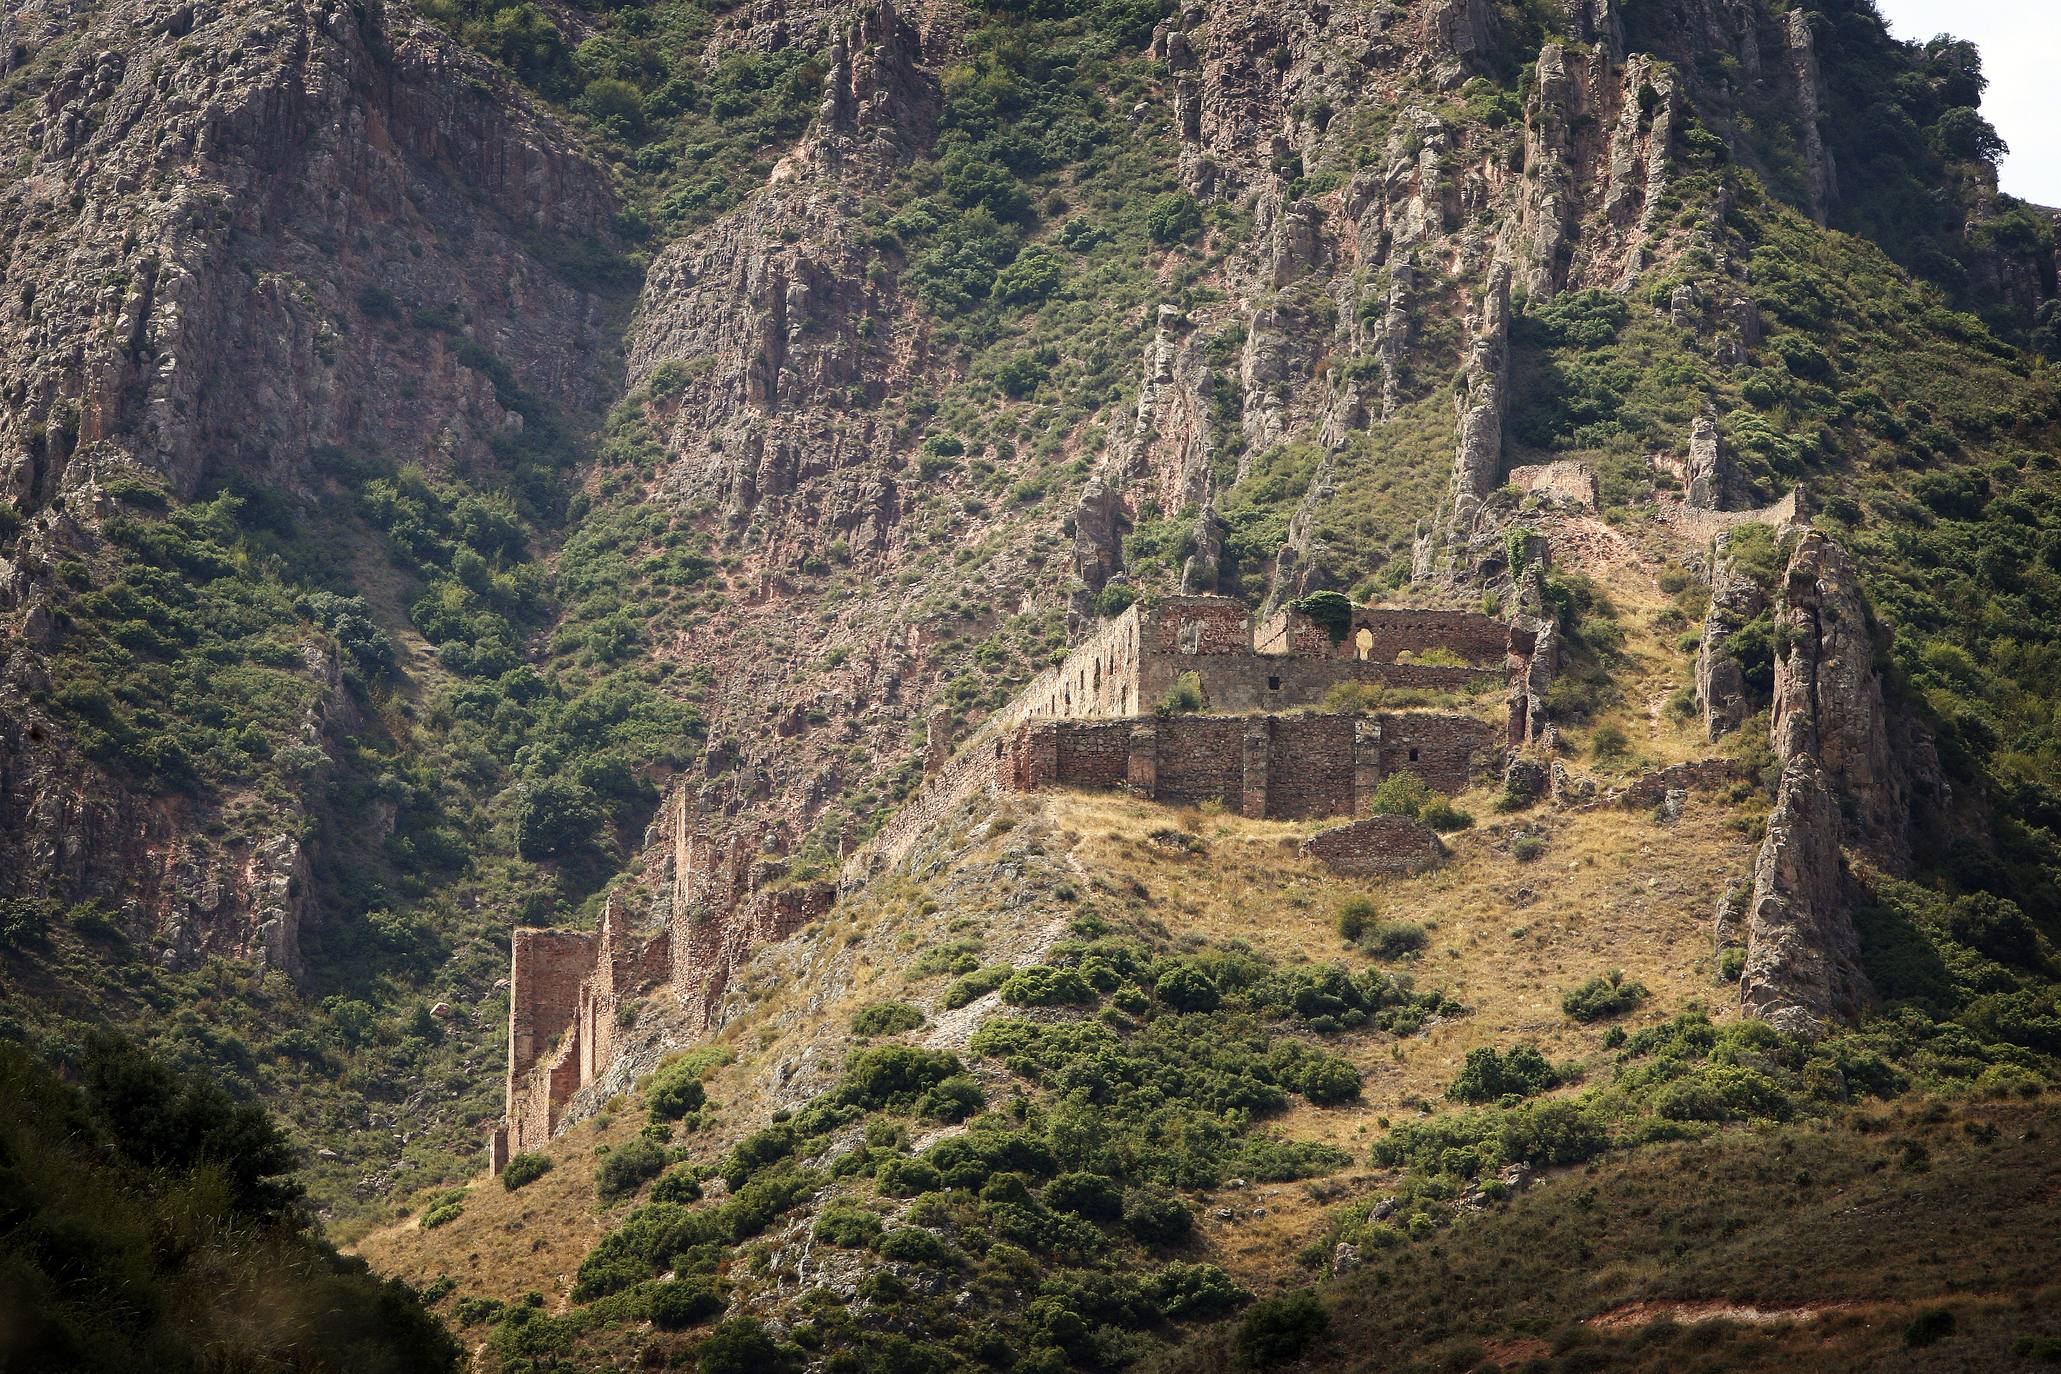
column 1264, row 744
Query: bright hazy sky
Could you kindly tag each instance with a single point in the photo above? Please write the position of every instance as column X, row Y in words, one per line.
column 2021, row 56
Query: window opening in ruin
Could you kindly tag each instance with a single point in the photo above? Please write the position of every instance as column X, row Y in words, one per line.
column 1363, row 644
column 1413, row 756
column 1273, row 684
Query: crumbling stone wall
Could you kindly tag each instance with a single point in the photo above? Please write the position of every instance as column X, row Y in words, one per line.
column 1376, row 847
column 566, row 989
column 546, row 969
column 1381, row 634
column 1286, row 767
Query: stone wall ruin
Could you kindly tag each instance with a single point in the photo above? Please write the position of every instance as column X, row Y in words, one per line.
column 1263, row 746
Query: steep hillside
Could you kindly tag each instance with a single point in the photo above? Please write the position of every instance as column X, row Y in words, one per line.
column 640, row 467
column 150, row 1220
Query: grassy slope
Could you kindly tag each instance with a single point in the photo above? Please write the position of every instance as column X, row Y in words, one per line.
column 1779, row 1248
column 1505, row 937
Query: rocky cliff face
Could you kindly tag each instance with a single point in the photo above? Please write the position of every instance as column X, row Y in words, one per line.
column 1846, row 789
column 1828, row 699
column 246, row 241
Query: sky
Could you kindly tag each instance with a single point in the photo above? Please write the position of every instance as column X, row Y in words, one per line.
column 2021, row 56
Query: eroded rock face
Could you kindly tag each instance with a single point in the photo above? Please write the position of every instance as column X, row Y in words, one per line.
column 1803, row 971
column 1828, row 699
column 225, row 227
column 239, row 229
column 1843, row 789
column 1721, row 688
column 1478, row 448
column 1709, row 475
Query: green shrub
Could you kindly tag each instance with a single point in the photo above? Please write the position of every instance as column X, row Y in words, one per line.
column 1276, row 1330
column 1599, row 999
column 1185, row 1292
column 885, row 1018
column 952, row 1099
column 756, row 1151
column 1041, row 985
column 1324, row 1079
column 895, row 1075
column 1184, row 698
column 1355, row 916
column 684, row 1302
column 1157, row 1218
column 1032, row 278
column 975, row 986
column 1723, row 1092
column 914, row 1245
column 1487, row 1076
column 446, row 1209
column 1173, row 217
column 628, row 1167
column 1185, row 988
column 1332, row 610
column 1929, row 1327
column 906, row 1177
column 850, row 1227
column 1394, row 939
column 1094, row 1196
column 1441, row 815
column 524, row 1168
column 740, row 1345
column 1401, row 794
column 1527, row 848
column 677, row 1185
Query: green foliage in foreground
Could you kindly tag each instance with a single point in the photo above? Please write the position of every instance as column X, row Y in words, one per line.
column 147, row 1221
column 1910, row 1208
column 1154, row 1080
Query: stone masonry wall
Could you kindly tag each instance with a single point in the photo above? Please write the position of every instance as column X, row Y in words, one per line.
column 1378, row 846
column 1285, row 767
column 546, row 969
column 567, row 988
column 1379, row 635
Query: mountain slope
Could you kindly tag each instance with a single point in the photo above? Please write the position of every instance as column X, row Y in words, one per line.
column 454, row 450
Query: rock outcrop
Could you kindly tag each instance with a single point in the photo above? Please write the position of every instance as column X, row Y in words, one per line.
column 1722, row 692
column 1802, row 972
column 1843, row 789
column 1828, row 699
column 1482, row 399
column 246, row 241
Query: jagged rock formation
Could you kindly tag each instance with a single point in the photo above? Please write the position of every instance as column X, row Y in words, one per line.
column 1828, row 699
column 1820, row 178
column 1478, row 447
column 1721, row 688
column 1841, row 788
column 1710, row 479
column 230, row 222
column 1802, row 971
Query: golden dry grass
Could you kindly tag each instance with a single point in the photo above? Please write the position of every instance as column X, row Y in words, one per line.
column 1613, row 890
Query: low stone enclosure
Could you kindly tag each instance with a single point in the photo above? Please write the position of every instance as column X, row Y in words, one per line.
column 1261, row 747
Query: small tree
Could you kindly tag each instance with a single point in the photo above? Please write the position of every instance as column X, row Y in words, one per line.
column 524, row 1169
column 1173, row 218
